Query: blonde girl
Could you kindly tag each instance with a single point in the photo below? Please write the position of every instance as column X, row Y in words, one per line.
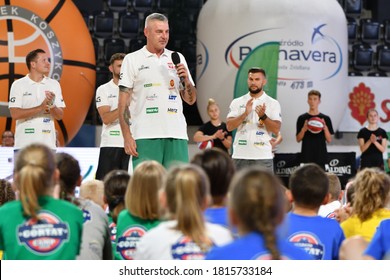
column 369, row 201
column 142, row 208
column 37, row 215
column 186, row 235
column 214, row 130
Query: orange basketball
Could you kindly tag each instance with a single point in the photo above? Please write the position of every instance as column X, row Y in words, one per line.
column 57, row 27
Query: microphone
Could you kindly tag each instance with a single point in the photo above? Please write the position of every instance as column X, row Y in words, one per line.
column 176, row 60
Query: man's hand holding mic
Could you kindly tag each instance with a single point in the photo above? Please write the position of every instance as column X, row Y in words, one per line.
column 180, row 68
column 187, row 90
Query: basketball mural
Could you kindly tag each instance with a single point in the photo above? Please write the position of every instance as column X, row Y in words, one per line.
column 57, row 27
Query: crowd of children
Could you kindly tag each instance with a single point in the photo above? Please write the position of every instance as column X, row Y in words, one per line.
column 200, row 210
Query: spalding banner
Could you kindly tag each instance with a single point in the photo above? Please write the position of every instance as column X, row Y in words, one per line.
column 57, row 27
column 341, row 164
column 308, row 39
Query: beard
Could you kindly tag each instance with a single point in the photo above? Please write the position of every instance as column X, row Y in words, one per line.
column 255, row 91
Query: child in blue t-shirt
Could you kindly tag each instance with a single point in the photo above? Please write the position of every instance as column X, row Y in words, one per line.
column 318, row 236
column 256, row 207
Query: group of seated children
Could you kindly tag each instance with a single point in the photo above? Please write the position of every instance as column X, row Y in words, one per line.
column 200, row 210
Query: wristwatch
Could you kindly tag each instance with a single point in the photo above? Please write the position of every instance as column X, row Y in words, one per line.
column 263, row 117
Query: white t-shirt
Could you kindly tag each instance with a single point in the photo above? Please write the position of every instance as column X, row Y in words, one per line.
column 327, row 210
column 26, row 93
column 166, row 243
column 107, row 95
column 251, row 140
column 156, row 107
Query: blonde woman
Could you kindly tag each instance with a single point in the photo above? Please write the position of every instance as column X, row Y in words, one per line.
column 370, row 198
column 186, row 236
column 142, row 208
column 214, row 130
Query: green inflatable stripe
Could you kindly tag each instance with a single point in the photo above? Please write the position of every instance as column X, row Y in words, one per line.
column 265, row 56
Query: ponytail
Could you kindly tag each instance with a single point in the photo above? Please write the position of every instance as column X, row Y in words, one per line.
column 34, row 169
column 187, row 188
column 257, row 198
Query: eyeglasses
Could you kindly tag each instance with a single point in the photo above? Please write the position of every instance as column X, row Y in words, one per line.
column 7, row 136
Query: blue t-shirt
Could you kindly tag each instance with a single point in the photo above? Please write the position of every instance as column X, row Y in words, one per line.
column 217, row 216
column 379, row 246
column 252, row 247
column 320, row 237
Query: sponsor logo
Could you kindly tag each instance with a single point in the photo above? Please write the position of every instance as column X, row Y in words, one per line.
column 46, row 120
column 127, row 242
column 151, row 97
column 152, row 85
column 29, row 130
column 171, row 85
column 186, row 249
column 172, row 110
column 87, row 216
column 171, row 65
column 260, row 133
column 259, row 144
column 281, row 164
column 27, row 94
column 152, row 110
column 143, row 67
column 284, row 171
column 319, row 48
column 309, row 242
column 331, row 215
column 12, row 100
column 242, row 142
column 46, row 131
column 172, row 97
column 44, row 236
column 338, row 170
column 115, row 133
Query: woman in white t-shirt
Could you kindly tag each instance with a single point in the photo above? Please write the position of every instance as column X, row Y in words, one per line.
column 187, row 235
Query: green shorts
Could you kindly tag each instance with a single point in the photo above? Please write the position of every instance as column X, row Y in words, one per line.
column 167, row 151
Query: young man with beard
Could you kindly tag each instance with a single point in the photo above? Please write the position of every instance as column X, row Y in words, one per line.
column 256, row 116
column 112, row 153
